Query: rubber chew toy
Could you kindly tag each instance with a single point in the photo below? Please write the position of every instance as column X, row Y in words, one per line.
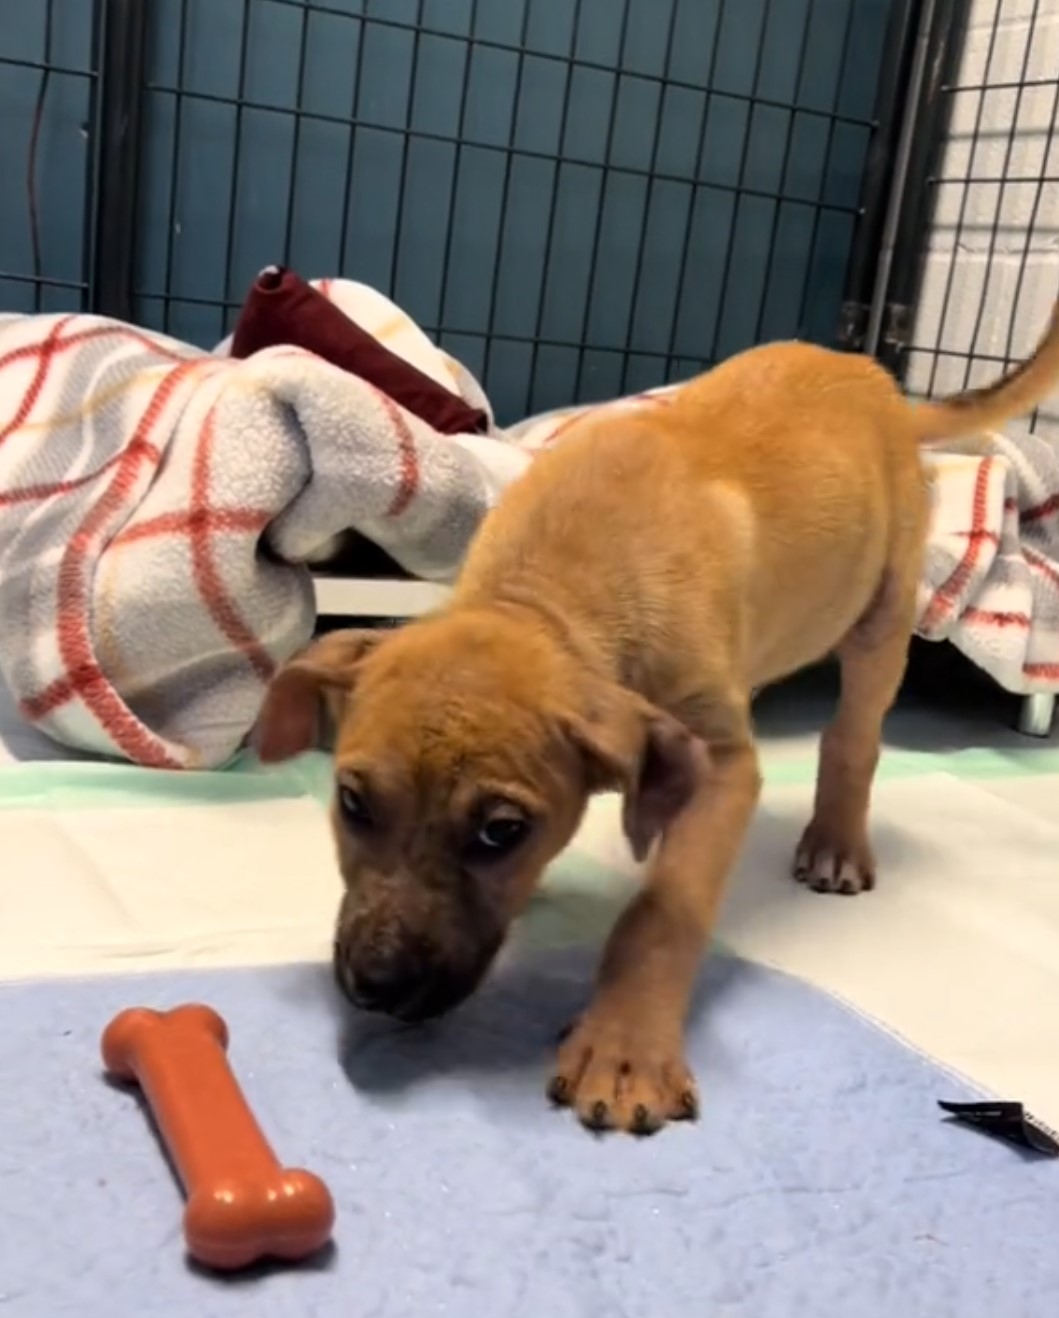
column 241, row 1204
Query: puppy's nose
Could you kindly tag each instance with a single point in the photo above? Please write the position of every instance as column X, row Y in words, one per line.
column 381, row 984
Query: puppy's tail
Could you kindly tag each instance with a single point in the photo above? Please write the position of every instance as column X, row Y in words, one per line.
column 1014, row 394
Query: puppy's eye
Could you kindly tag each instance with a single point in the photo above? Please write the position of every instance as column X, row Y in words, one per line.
column 500, row 834
column 354, row 807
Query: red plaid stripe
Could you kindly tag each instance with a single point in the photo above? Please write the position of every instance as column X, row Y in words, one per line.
column 945, row 596
column 566, row 424
column 1041, row 564
column 407, row 455
column 1046, row 672
column 83, row 678
column 1021, row 622
column 43, row 353
column 661, row 400
column 54, row 345
column 215, row 521
column 221, row 607
column 1040, row 511
column 33, row 493
column 995, row 618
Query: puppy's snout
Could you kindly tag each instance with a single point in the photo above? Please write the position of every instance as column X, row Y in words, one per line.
column 394, row 976
column 409, row 980
column 382, row 983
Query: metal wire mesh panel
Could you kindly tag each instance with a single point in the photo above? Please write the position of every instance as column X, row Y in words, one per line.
column 47, row 103
column 991, row 268
column 577, row 197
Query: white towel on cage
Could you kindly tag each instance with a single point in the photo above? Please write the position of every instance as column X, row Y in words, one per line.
column 990, row 582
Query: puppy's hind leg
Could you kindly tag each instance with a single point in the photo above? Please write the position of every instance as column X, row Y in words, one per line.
column 834, row 854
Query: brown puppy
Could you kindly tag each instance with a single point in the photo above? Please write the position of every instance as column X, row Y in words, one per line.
column 614, row 614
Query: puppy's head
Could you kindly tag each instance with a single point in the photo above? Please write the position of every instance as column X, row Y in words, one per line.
column 466, row 748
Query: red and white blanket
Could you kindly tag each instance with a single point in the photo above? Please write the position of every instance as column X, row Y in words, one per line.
column 159, row 506
column 990, row 583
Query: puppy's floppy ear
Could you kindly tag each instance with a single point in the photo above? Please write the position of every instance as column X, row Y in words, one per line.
column 289, row 721
column 633, row 747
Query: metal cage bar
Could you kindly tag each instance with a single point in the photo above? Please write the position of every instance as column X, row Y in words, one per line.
column 931, row 316
column 124, row 29
column 618, row 282
column 653, row 170
column 49, row 70
column 977, row 202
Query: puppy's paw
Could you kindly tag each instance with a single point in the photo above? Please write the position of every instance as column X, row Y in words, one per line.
column 618, row 1077
column 827, row 861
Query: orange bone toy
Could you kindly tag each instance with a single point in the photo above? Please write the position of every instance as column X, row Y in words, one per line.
column 241, row 1204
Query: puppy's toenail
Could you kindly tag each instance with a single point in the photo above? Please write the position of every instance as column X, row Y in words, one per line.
column 642, row 1121
column 689, row 1105
column 599, row 1115
column 559, row 1090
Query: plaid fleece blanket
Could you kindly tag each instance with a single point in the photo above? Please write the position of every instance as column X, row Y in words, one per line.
column 990, row 582
column 159, row 506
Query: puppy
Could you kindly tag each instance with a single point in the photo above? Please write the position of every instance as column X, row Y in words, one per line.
column 615, row 613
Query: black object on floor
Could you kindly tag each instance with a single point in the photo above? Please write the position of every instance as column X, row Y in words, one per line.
column 1006, row 1121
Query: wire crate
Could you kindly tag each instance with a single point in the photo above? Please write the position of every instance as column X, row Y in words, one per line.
column 578, row 198
column 986, row 255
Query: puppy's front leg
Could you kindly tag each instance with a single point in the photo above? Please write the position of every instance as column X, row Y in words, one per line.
column 622, row 1066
